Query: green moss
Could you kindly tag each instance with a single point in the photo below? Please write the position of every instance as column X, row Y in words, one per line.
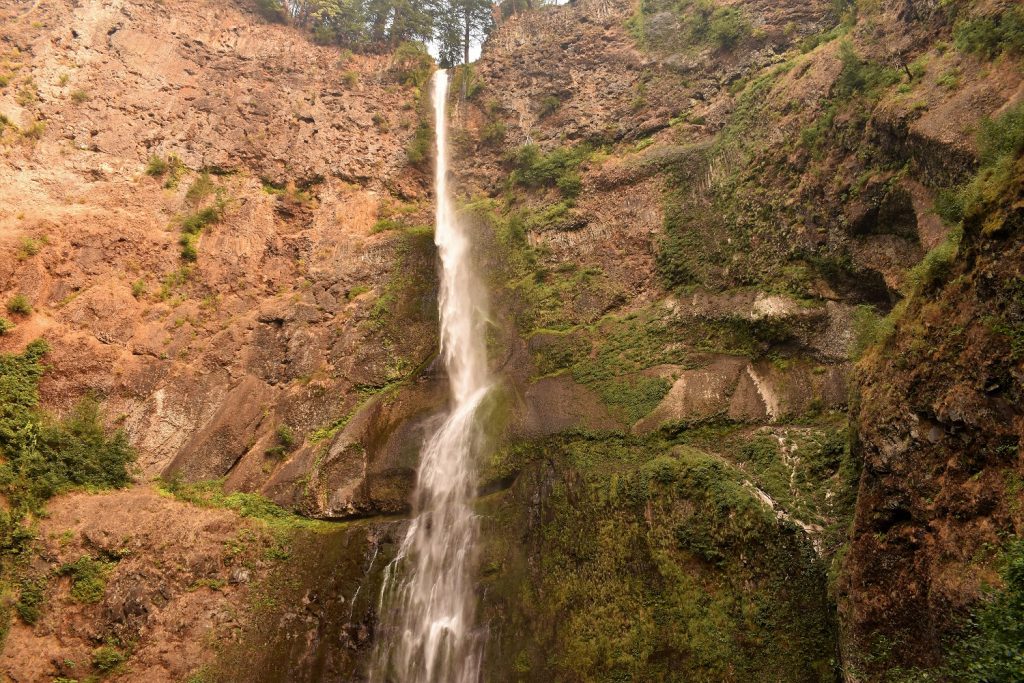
column 641, row 562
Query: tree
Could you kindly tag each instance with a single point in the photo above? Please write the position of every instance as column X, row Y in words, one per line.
column 460, row 24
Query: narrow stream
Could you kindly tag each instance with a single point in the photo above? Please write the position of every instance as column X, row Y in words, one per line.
column 426, row 630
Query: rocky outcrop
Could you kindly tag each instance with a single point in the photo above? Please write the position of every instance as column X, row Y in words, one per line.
column 146, row 114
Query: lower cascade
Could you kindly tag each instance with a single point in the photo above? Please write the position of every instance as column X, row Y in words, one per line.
column 427, row 606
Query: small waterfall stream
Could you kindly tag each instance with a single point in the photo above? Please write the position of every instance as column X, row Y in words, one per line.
column 427, row 605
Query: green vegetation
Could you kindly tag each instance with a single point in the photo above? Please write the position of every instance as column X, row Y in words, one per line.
column 192, row 225
column 421, row 147
column 285, row 437
column 412, row 64
column 157, row 166
column 978, row 204
column 108, row 658
column 648, row 562
column 19, row 304
column 172, row 168
column 991, row 35
column 5, row 325
column 31, row 596
column 79, row 96
column 549, row 105
column 556, row 169
column 700, row 23
column 992, row 647
column 29, row 247
column 211, row 494
column 43, row 456
column 88, row 578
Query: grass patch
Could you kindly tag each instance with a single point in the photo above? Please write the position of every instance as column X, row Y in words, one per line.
column 211, row 494
column 88, row 578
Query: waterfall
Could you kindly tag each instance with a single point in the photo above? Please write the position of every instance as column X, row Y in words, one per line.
column 427, row 607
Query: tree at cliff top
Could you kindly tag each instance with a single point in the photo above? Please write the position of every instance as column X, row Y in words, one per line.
column 380, row 25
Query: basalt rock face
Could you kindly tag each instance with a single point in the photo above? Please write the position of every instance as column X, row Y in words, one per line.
column 693, row 236
column 759, row 409
column 136, row 127
column 940, row 426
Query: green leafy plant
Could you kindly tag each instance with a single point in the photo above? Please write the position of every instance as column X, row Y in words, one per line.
column 88, row 578
column 19, row 304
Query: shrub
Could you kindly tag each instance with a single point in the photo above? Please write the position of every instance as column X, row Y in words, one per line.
column 350, row 78
column 138, row 288
column 156, row 167
column 201, row 188
column 88, row 578
column 272, row 10
column 79, row 96
column 859, row 76
column 43, row 456
column 421, row 145
column 31, row 595
column 19, row 303
column 728, row 27
column 286, row 436
column 549, row 105
column 107, row 658
column 29, row 247
column 493, row 133
column 992, row 648
column 412, row 64
column 991, row 35
column 937, row 264
column 35, row 131
column 559, row 168
column 5, row 326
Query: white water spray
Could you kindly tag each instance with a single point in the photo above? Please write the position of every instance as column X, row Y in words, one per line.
column 427, row 606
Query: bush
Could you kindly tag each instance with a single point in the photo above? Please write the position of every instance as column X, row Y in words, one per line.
column 31, row 595
column 421, row 146
column 992, row 648
column 559, row 168
column 201, row 188
column 88, row 578
column 859, row 76
column 493, row 133
column 156, row 167
column 272, row 10
column 728, row 27
column 412, row 64
column 990, row 36
column 107, row 658
column 549, row 105
column 5, row 325
column 43, row 456
column 80, row 96
column 19, row 303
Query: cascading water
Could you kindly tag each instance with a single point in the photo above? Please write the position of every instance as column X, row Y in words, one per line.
column 427, row 607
